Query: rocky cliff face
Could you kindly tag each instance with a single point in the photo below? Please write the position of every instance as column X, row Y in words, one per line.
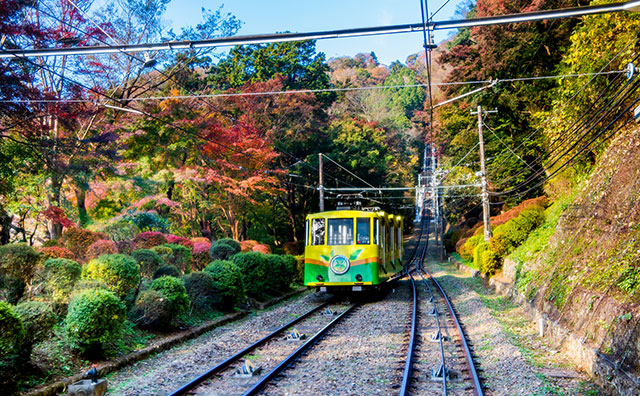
column 585, row 275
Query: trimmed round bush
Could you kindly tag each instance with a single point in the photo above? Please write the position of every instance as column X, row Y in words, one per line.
column 180, row 257
column 151, row 310
column 500, row 243
column 477, row 253
column 17, row 265
column 100, row 247
column 291, row 269
column 201, row 290
column 222, row 251
column 466, row 251
column 61, row 276
column 491, row 262
column 94, row 318
column 148, row 260
column 200, row 240
column 253, row 267
column 201, row 255
column 120, row 230
column 178, row 240
column 149, row 239
column 119, row 272
column 261, row 248
column 247, row 245
column 57, row 252
column 227, row 280
column 12, row 334
column 150, row 222
column 38, row 319
column 166, row 270
column 231, row 242
column 277, row 276
column 125, row 247
column 78, row 240
column 165, row 253
column 173, row 289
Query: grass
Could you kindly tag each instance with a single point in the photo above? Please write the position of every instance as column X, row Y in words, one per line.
column 468, row 263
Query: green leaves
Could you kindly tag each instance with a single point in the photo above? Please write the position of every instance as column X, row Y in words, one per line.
column 355, row 254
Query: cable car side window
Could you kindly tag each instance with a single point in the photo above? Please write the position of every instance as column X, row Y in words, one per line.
column 341, row 231
column 317, row 232
column 363, row 231
column 376, row 232
column 306, row 233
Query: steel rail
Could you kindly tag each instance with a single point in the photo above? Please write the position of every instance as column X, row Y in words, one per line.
column 291, row 358
column 223, row 365
column 477, row 387
column 327, row 34
column 408, row 367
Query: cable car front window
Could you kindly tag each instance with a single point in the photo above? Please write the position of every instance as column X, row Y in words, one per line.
column 317, row 232
column 340, row 231
column 363, row 231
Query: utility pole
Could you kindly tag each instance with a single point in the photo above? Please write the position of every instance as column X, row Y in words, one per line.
column 485, row 188
column 321, row 186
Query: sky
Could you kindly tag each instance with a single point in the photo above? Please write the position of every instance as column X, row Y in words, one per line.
column 271, row 16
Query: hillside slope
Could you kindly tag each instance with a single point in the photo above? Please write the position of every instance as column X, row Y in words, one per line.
column 582, row 267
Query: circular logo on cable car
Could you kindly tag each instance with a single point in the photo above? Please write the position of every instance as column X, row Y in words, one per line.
column 339, row 264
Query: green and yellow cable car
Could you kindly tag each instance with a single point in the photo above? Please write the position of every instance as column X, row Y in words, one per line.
column 351, row 249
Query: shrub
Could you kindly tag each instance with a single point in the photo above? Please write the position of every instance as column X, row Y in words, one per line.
column 293, row 248
column 147, row 240
column 260, row 248
column 173, row 289
column 165, row 253
column 100, row 247
column 120, row 230
column 78, row 240
column 148, row 260
column 201, row 255
column 12, row 334
column 166, row 270
column 220, row 250
column 38, row 319
column 94, row 318
column 151, row 310
column 119, row 272
column 466, row 250
column 57, row 252
column 231, row 242
column 201, row 290
column 200, row 240
column 125, row 247
column 491, row 262
column 227, row 280
column 291, row 269
column 500, row 243
column 247, row 246
column 515, row 231
column 253, row 267
column 477, row 253
column 17, row 264
column 150, row 222
column 180, row 257
column 61, row 276
column 178, row 240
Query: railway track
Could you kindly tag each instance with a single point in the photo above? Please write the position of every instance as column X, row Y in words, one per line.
column 204, row 381
column 436, row 340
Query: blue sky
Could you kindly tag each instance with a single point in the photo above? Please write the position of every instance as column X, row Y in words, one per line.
column 270, row 16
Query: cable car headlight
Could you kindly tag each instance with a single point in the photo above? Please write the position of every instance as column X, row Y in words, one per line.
column 339, row 264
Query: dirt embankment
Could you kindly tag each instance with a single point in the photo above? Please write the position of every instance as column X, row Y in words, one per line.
column 586, row 278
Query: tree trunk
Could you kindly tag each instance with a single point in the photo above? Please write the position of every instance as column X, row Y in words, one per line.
column 54, row 228
column 82, row 207
column 291, row 210
column 5, row 227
